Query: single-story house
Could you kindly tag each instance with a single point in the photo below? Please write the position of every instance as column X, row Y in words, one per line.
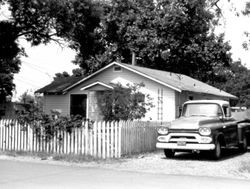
column 168, row 91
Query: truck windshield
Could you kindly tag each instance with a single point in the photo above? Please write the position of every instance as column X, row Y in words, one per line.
column 201, row 110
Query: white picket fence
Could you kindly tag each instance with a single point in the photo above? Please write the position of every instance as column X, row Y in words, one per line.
column 102, row 140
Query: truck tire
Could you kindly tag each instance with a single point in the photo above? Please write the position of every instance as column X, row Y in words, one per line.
column 243, row 145
column 169, row 153
column 216, row 153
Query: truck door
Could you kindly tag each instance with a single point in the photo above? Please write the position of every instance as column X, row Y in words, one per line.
column 229, row 127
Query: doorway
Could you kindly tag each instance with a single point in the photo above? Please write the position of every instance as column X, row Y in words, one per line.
column 78, row 105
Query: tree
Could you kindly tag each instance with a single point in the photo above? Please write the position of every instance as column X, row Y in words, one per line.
column 31, row 103
column 124, row 103
column 238, row 83
column 9, row 59
column 43, row 21
column 59, row 76
column 173, row 35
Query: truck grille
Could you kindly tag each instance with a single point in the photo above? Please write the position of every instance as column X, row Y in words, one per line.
column 187, row 137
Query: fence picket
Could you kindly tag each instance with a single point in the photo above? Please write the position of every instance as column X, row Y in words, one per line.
column 95, row 139
column 116, row 140
column 112, row 140
column 99, row 150
column 108, row 140
column 102, row 139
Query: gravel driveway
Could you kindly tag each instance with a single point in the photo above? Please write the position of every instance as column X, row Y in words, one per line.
column 232, row 165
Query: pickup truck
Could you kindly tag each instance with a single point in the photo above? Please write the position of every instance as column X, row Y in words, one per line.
column 204, row 125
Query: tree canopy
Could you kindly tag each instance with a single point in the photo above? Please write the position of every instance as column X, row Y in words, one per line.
column 42, row 21
column 172, row 35
column 9, row 59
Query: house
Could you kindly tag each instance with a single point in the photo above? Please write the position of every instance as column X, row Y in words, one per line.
column 168, row 90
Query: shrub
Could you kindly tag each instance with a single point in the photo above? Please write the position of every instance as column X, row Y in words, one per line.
column 124, row 103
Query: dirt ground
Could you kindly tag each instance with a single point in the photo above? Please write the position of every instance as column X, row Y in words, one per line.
column 232, row 165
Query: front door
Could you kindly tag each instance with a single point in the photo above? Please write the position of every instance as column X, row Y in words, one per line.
column 78, row 105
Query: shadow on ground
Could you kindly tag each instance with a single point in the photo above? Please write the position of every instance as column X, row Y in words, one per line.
column 205, row 156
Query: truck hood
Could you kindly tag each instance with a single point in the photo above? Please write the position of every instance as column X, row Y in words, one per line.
column 192, row 122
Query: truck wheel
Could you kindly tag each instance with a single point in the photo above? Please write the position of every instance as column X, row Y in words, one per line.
column 169, row 153
column 243, row 145
column 216, row 153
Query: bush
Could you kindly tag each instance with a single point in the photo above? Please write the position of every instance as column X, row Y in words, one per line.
column 46, row 126
column 124, row 103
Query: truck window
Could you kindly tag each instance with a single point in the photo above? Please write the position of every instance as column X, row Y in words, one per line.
column 197, row 109
column 226, row 110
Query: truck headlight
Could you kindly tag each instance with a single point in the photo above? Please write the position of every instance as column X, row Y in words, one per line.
column 205, row 131
column 163, row 130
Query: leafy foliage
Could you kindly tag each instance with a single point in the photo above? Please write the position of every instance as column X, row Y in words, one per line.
column 9, row 59
column 238, row 83
column 174, row 35
column 42, row 21
column 47, row 126
column 124, row 103
column 44, row 125
column 167, row 35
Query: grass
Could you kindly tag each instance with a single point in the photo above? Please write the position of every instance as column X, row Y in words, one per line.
column 58, row 157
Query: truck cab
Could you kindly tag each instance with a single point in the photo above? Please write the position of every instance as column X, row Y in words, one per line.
column 204, row 125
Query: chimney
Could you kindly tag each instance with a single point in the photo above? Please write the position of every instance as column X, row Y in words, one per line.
column 133, row 59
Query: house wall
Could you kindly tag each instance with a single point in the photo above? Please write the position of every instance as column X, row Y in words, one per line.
column 59, row 102
column 184, row 96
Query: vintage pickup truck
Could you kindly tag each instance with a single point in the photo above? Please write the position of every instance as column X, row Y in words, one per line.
column 204, row 125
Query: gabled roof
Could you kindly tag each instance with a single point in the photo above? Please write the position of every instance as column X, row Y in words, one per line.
column 58, row 86
column 182, row 82
column 177, row 82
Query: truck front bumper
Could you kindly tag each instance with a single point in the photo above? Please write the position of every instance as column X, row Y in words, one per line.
column 188, row 146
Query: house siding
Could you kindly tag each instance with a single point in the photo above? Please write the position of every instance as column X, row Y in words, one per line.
column 59, row 102
column 184, row 96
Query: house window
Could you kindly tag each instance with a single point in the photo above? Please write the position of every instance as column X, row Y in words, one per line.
column 78, row 105
column 117, row 69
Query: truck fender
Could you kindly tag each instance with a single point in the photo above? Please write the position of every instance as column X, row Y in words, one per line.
column 220, row 137
column 243, row 131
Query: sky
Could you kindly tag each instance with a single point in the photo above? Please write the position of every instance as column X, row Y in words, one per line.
column 43, row 61
column 40, row 66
